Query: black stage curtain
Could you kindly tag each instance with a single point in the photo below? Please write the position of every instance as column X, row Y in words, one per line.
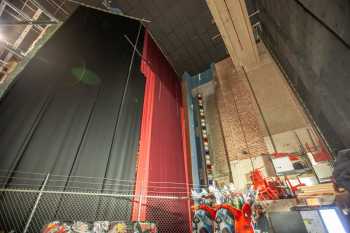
column 66, row 114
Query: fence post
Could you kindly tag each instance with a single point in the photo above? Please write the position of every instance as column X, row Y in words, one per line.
column 140, row 203
column 36, row 204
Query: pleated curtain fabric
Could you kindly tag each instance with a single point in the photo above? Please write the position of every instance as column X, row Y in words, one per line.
column 70, row 111
column 162, row 165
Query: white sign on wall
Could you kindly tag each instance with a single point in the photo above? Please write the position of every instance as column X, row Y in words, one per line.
column 282, row 164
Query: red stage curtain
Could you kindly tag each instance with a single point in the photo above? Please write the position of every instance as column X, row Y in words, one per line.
column 162, row 163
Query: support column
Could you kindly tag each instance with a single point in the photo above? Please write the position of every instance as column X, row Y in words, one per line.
column 233, row 22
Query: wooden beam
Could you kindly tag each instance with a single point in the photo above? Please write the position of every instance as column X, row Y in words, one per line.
column 232, row 19
column 218, row 18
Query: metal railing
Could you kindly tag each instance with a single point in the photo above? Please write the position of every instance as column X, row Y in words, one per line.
column 28, row 201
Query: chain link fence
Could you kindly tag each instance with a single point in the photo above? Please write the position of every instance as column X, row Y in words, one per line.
column 170, row 215
column 28, row 201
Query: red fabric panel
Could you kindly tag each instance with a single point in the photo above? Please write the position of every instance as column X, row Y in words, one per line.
column 322, row 154
column 187, row 156
column 162, row 164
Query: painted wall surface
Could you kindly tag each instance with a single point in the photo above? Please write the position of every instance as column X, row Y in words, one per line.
column 241, row 170
column 201, row 78
column 217, row 145
column 280, row 108
column 283, row 115
column 192, row 130
column 192, row 82
column 289, row 141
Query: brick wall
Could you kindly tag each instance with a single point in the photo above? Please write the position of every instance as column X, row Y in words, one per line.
column 216, row 141
column 238, row 113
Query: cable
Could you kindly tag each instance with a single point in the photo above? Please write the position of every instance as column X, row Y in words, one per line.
column 119, row 112
column 122, row 102
column 260, row 110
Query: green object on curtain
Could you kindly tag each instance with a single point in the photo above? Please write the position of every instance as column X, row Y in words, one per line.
column 86, row 76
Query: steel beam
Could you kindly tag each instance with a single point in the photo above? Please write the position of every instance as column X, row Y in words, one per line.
column 2, row 7
column 21, row 13
column 46, row 12
column 12, row 50
column 25, row 22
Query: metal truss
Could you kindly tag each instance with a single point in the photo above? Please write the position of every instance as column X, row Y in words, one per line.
column 22, row 24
